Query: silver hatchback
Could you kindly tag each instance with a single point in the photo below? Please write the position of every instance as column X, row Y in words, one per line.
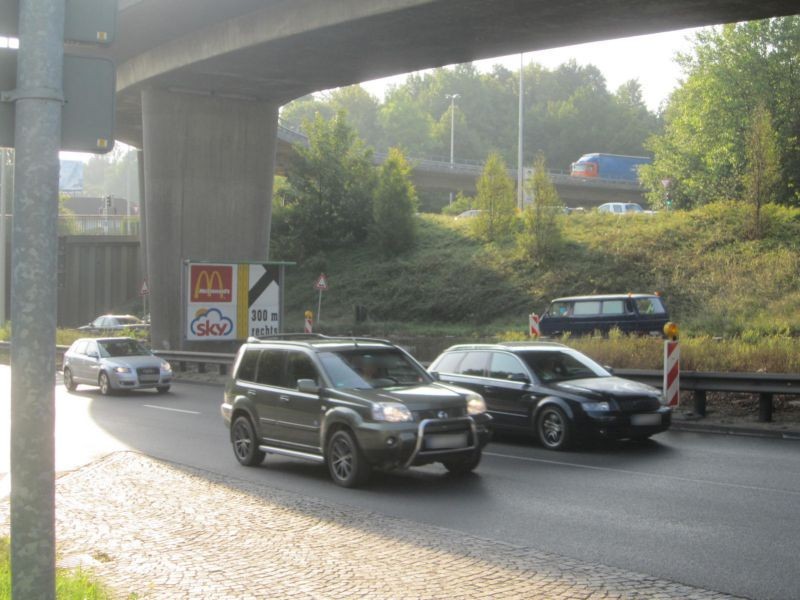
column 115, row 363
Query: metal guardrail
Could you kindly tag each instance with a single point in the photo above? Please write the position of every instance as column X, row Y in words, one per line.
column 765, row 385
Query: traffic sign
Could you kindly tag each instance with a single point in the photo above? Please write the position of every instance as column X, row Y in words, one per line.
column 87, row 21
column 87, row 115
column 322, row 282
column 145, row 290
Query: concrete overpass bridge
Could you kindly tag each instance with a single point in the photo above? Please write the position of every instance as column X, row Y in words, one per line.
column 200, row 82
column 440, row 175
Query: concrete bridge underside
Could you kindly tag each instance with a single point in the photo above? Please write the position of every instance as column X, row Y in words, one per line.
column 199, row 84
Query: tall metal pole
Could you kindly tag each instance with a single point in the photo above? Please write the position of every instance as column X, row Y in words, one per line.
column 520, row 177
column 5, row 190
column 37, row 138
column 452, row 132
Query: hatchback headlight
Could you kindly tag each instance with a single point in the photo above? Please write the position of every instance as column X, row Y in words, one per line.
column 596, row 406
column 475, row 404
column 393, row 412
column 122, row 370
column 165, row 366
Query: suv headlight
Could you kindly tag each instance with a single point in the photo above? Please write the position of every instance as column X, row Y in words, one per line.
column 393, row 412
column 596, row 406
column 475, row 404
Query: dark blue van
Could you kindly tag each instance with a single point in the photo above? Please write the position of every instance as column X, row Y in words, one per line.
column 580, row 315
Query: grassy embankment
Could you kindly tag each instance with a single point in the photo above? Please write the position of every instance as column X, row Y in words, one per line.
column 736, row 299
column 716, row 280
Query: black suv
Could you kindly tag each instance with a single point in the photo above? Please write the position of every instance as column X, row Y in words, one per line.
column 352, row 403
column 553, row 390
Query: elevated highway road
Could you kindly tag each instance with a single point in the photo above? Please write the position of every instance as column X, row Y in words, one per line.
column 200, row 82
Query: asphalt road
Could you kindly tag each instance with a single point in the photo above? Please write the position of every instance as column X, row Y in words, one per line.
column 712, row 511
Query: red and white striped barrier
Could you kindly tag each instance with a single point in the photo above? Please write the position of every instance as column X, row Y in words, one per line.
column 533, row 325
column 309, row 320
column 672, row 373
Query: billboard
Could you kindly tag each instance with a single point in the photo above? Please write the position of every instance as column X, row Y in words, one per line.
column 232, row 301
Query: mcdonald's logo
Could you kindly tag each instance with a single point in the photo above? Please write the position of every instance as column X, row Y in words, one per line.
column 211, row 283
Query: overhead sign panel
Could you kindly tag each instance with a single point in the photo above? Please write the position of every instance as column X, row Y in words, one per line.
column 87, row 117
column 86, row 21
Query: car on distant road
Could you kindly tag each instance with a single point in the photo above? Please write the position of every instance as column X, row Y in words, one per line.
column 555, row 392
column 115, row 364
column 623, row 208
column 107, row 323
column 352, row 403
column 473, row 212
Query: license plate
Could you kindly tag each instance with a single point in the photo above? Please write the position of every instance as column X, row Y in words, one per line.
column 148, row 379
column 437, row 441
column 651, row 419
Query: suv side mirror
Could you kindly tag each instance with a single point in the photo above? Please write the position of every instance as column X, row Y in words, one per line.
column 608, row 368
column 307, row 386
column 434, row 375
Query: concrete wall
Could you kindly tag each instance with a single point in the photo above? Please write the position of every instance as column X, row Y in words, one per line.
column 96, row 274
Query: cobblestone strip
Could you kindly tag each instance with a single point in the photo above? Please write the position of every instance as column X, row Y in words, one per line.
column 153, row 530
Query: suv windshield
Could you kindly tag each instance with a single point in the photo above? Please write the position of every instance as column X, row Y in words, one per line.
column 365, row 368
column 553, row 365
column 122, row 347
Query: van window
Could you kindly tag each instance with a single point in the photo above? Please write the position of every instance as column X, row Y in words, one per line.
column 559, row 309
column 586, row 307
column 613, row 307
column 650, row 306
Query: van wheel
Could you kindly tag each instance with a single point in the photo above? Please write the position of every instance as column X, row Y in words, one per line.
column 346, row 462
column 554, row 429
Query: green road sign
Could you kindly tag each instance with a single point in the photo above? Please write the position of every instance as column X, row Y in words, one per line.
column 87, row 117
column 87, row 21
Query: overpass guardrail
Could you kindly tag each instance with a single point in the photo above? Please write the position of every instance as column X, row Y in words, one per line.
column 763, row 385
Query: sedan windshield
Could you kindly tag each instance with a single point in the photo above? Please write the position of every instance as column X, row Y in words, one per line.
column 122, row 347
column 554, row 365
column 363, row 368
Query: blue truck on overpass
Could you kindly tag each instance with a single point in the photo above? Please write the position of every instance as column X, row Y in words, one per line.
column 609, row 166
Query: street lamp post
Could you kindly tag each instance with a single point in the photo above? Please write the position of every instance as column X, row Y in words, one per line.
column 452, row 131
column 520, row 173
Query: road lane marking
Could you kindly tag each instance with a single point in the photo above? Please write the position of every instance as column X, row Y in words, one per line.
column 740, row 486
column 188, row 412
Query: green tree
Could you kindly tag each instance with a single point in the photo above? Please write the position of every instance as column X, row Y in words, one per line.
column 394, row 205
column 327, row 200
column 763, row 167
column 730, row 71
column 541, row 219
column 495, row 200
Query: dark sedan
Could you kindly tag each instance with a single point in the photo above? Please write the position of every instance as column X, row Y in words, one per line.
column 556, row 392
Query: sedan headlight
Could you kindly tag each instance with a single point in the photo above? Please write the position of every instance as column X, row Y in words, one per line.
column 122, row 370
column 393, row 412
column 596, row 406
column 475, row 404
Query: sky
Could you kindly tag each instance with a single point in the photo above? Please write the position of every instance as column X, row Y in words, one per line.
column 648, row 58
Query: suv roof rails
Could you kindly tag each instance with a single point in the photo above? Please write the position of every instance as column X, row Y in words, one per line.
column 314, row 336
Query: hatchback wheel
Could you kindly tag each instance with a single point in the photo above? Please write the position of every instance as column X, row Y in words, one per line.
column 245, row 444
column 105, row 384
column 346, row 463
column 69, row 382
column 554, row 429
column 162, row 389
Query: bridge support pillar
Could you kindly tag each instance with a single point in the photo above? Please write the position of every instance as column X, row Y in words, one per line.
column 208, row 168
